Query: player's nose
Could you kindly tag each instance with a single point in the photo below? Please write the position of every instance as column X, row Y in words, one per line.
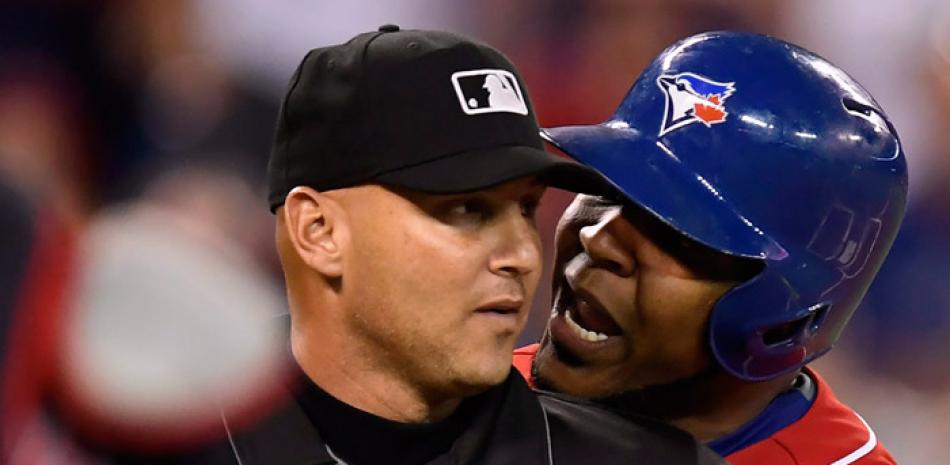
column 601, row 242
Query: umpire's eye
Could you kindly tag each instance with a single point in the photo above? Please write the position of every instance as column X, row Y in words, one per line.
column 468, row 210
column 460, row 210
column 529, row 207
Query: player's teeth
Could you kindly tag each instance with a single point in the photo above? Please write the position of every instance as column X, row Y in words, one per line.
column 589, row 336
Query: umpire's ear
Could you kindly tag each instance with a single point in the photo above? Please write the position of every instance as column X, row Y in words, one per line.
column 313, row 231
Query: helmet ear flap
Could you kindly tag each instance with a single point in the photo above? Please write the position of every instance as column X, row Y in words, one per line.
column 757, row 345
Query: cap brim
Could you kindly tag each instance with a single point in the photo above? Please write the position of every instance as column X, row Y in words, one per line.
column 483, row 169
column 651, row 176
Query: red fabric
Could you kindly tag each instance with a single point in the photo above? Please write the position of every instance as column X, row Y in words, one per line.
column 28, row 371
column 522, row 360
column 831, row 433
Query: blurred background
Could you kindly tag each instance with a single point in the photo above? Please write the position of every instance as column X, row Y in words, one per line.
column 134, row 136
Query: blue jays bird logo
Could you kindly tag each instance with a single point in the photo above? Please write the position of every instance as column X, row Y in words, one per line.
column 691, row 98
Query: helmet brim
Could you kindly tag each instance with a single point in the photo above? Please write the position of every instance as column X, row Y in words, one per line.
column 651, row 176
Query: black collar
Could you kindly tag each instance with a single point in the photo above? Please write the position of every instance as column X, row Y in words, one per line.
column 515, row 431
column 283, row 437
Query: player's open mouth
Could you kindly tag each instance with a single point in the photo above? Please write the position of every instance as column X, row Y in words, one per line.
column 589, row 320
column 582, row 330
column 589, row 336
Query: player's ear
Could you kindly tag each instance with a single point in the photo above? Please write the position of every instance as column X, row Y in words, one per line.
column 316, row 229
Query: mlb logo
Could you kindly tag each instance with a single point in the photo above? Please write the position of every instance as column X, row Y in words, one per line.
column 489, row 91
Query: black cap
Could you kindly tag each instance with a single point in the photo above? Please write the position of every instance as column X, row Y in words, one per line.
column 426, row 110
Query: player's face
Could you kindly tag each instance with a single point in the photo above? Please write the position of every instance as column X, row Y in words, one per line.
column 440, row 285
column 631, row 301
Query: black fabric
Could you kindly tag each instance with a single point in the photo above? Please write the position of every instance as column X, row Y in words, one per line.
column 345, row 428
column 515, row 426
column 582, row 430
column 482, row 169
column 395, row 100
column 284, row 437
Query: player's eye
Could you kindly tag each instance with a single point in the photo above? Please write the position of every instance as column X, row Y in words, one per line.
column 611, row 199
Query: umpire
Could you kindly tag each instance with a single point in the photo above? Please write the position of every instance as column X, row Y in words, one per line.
column 405, row 186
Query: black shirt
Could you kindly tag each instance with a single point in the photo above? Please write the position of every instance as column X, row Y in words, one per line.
column 507, row 425
column 345, row 429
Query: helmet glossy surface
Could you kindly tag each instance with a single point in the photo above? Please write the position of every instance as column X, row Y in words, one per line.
column 758, row 148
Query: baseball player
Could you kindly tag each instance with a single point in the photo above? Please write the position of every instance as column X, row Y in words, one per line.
column 758, row 189
column 405, row 201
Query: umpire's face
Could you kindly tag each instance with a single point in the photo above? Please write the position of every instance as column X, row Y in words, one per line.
column 631, row 301
column 433, row 289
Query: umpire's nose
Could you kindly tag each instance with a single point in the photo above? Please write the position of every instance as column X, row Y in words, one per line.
column 518, row 251
column 601, row 242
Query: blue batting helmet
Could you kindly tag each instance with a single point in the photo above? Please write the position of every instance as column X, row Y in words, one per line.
column 758, row 148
